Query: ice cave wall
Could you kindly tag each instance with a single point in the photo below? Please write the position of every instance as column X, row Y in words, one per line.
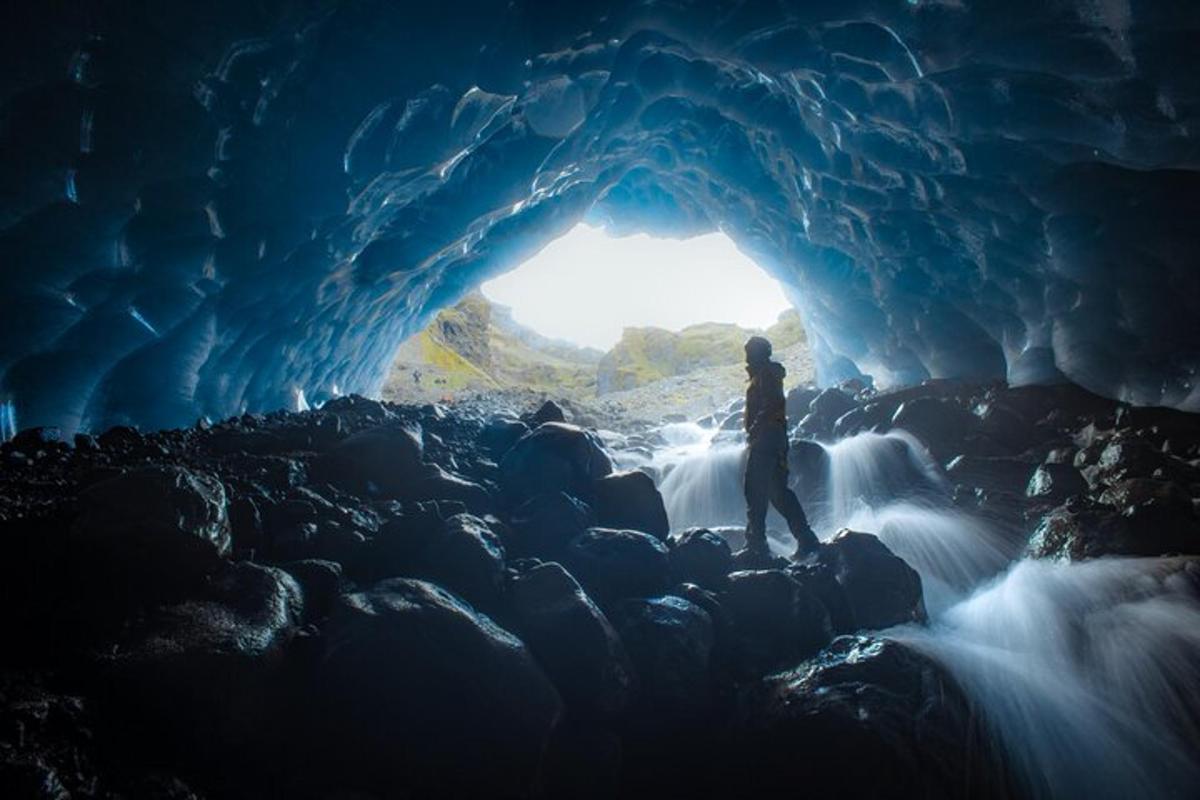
column 211, row 207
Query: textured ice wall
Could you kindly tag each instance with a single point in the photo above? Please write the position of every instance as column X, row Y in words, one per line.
column 223, row 206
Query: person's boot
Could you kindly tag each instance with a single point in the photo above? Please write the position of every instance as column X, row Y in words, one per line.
column 755, row 554
column 807, row 543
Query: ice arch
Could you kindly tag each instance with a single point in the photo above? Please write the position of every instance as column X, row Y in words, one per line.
column 213, row 207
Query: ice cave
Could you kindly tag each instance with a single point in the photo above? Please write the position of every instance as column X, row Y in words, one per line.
column 240, row 564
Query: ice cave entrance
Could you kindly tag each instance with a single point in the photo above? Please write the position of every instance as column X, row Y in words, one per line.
column 588, row 286
column 657, row 324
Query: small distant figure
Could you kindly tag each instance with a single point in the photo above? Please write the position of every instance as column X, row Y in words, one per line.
column 765, row 419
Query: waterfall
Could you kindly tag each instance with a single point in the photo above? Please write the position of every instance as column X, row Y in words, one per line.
column 870, row 469
column 1085, row 673
column 702, row 480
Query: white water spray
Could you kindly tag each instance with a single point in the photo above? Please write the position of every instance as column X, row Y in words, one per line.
column 1085, row 673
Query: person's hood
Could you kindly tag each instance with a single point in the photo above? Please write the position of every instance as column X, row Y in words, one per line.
column 771, row 369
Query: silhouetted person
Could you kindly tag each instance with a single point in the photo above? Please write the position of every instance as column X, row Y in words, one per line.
column 766, row 467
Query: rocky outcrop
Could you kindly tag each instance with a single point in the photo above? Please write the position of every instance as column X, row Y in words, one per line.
column 416, row 690
column 554, row 457
column 863, row 702
column 297, row 633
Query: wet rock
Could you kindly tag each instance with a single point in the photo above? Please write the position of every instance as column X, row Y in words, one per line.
column 1007, row 475
column 167, row 526
column 940, row 424
column 702, row 557
column 121, row 437
column 821, row 581
column 32, row 440
column 554, row 457
column 881, row 589
column 572, row 640
column 868, row 417
column 458, row 551
column 861, row 702
column 1158, row 519
column 1126, row 455
column 548, row 412
column 1054, row 483
column 417, row 693
column 670, row 641
column 245, row 524
column 615, row 564
column 320, row 582
column 465, row 557
column 808, row 463
column 204, row 668
column 439, row 484
column 1006, row 428
column 747, row 559
column 631, row 500
column 86, row 443
column 383, row 461
column 830, row 404
column 501, row 434
column 775, row 620
column 395, row 549
column 543, row 525
column 798, row 400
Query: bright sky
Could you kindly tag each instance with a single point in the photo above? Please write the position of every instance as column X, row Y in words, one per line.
column 587, row 286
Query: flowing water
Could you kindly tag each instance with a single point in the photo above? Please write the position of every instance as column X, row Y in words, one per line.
column 1085, row 673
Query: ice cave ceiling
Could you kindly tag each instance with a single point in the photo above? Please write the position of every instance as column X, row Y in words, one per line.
column 208, row 207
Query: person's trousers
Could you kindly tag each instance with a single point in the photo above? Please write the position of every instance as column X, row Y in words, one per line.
column 767, row 482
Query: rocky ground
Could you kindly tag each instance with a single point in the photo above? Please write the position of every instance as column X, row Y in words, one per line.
column 375, row 600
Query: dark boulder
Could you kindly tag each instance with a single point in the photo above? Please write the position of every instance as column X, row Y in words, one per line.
column 201, row 672
column 501, row 434
column 245, row 524
column 702, row 557
column 572, row 640
column 383, row 461
column 809, row 465
column 549, row 411
column 670, row 641
column 31, row 440
column 821, row 581
column 939, row 423
column 440, row 484
column 418, row 694
column 1055, row 483
column 466, row 557
column 831, row 403
column 1139, row 517
column 864, row 718
column 320, row 583
column 459, row 552
column 121, row 438
column 881, row 589
column 775, row 619
column 869, row 417
column 631, row 500
column 166, row 526
column 554, row 457
column 997, row 474
column 615, row 564
column 544, row 524
column 798, row 400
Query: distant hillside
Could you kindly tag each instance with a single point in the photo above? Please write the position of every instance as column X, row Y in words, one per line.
column 477, row 346
column 646, row 355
